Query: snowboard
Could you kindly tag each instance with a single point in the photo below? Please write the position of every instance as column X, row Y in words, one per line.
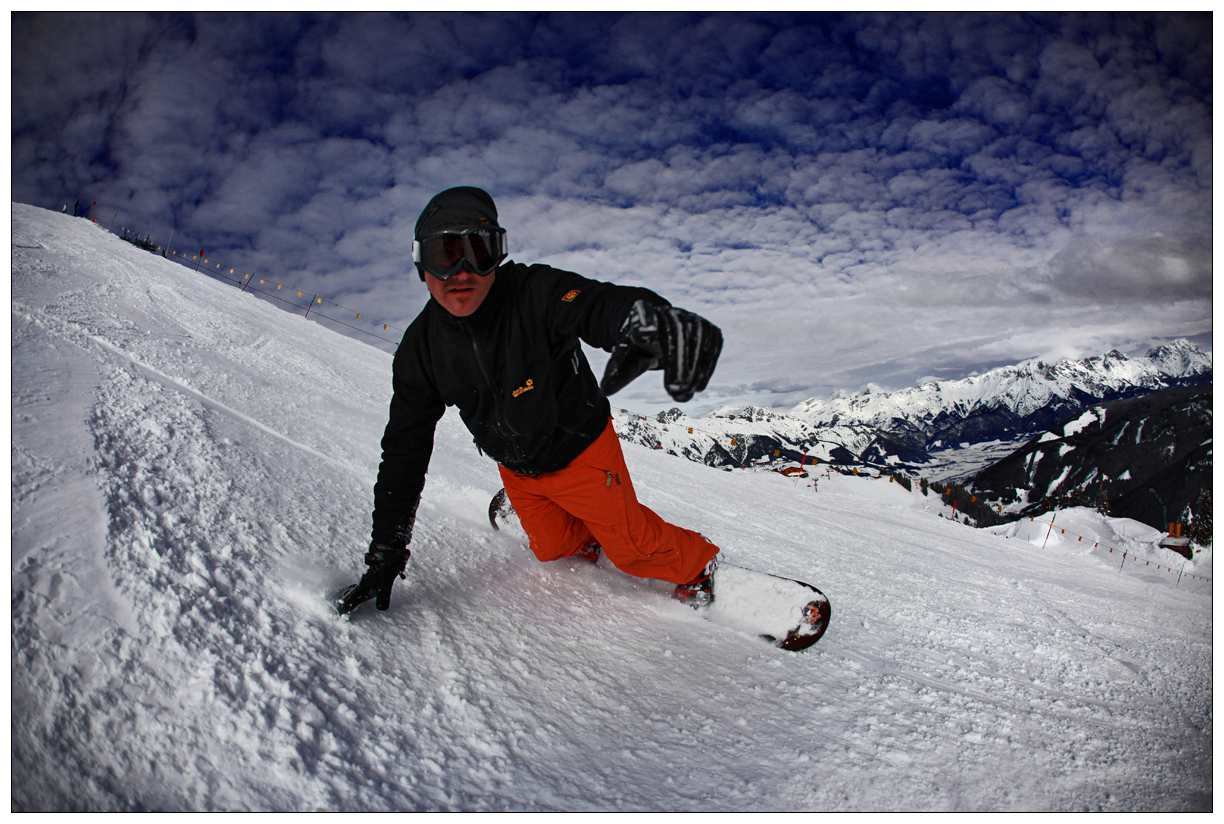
column 789, row 614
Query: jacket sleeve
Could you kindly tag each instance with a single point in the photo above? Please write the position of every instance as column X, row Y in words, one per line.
column 407, row 445
column 588, row 309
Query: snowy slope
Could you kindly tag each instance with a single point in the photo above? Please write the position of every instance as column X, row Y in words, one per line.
column 192, row 470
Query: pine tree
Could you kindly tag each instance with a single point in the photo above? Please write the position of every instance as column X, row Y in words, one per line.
column 1102, row 501
column 1200, row 528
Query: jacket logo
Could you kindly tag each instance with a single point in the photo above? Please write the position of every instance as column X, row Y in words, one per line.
column 523, row 389
column 570, row 295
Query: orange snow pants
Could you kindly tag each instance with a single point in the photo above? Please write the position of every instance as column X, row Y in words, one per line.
column 593, row 499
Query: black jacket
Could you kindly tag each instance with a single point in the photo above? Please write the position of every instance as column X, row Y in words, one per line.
column 515, row 370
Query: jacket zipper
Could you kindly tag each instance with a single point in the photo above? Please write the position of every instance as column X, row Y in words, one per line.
column 503, row 425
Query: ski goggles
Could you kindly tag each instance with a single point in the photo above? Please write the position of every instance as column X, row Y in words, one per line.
column 445, row 254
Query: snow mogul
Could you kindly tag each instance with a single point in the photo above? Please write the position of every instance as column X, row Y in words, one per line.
column 500, row 341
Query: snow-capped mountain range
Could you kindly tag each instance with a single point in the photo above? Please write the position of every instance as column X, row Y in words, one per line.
column 943, row 430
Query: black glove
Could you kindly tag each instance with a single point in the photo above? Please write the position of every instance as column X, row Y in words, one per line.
column 385, row 564
column 685, row 346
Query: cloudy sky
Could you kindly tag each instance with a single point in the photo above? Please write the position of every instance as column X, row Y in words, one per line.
column 854, row 199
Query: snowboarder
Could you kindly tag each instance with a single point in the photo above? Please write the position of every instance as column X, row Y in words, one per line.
column 500, row 340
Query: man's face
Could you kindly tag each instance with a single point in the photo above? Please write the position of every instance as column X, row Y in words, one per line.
column 461, row 294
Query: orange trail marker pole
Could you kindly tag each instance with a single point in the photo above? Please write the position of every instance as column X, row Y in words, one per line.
column 1051, row 529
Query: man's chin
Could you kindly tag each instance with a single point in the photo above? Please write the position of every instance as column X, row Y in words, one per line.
column 460, row 308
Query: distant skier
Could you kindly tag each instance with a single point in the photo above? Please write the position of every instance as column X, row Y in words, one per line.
column 501, row 342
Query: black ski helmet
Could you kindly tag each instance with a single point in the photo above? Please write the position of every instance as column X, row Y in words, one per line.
column 464, row 207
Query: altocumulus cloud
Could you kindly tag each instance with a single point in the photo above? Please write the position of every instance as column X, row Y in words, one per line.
column 853, row 198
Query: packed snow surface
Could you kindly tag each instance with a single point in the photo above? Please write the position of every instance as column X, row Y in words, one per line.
column 192, row 471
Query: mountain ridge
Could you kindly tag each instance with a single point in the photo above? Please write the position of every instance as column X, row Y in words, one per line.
column 1148, row 458
column 943, row 430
